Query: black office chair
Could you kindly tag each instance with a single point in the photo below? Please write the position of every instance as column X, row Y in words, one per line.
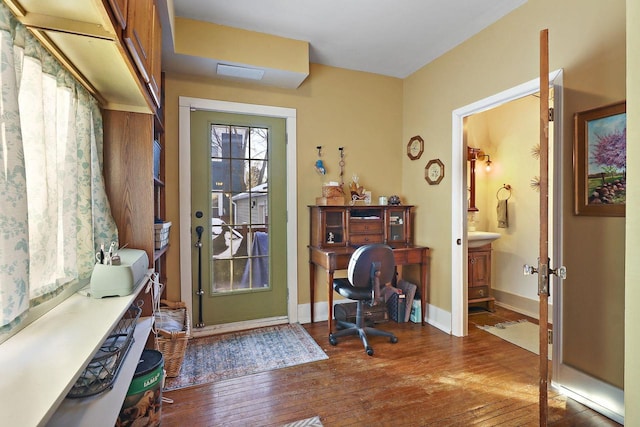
column 370, row 267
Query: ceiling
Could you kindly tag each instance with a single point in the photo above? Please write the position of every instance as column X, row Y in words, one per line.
column 392, row 38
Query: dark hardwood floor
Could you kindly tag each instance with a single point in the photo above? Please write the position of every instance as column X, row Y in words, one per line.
column 428, row 378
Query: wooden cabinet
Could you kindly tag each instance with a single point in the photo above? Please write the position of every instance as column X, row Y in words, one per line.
column 112, row 47
column 155, row 70
column 342, row 226
column 141, row 30
column 119, row 9
column 479, row 277
column 138, row 35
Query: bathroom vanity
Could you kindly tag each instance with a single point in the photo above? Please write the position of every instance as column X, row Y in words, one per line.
column 479, row 277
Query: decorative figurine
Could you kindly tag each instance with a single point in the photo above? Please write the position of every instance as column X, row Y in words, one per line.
column 319, row 166
column 394, row 200
column 358, row 192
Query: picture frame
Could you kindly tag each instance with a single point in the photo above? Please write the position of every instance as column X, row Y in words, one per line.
column 599, row 161
column 434, row 171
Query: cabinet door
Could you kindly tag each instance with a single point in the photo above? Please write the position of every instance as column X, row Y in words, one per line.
column 397, row 220
column 119, row 9
column 137, row 35
column 334, row 230
column 328, row 227
column 479, row 268
column 155, row 77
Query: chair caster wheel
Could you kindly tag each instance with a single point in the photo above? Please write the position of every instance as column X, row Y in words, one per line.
column 332, row 340
column 369, row 351
column 393, row 340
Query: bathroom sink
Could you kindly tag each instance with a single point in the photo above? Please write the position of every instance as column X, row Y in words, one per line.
column 481, row 238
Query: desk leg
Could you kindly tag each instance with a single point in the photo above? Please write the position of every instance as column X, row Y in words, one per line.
column 330, row 299
column 312, row 289
column 424, row 268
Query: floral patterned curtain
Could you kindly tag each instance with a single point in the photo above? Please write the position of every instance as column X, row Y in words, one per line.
column 54, row 212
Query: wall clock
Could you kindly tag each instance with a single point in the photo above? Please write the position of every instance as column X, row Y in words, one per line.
column 415, row 147
column 434, row 171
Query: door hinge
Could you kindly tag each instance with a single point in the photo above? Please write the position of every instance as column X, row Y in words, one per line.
column 549, row 336
column 551, row 114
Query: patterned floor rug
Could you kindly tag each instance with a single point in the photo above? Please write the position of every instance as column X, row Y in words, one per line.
column 220, row 357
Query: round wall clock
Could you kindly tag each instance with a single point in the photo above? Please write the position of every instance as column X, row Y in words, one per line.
column 434, row 171
column 415, row 147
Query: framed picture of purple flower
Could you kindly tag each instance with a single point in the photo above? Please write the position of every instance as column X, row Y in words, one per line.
column 600, row 161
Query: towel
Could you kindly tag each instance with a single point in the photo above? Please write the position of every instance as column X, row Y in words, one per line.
column 503, row 216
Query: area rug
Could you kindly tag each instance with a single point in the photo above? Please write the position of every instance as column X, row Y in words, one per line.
column 309, row 422
column 521, row 333
column 220, row 357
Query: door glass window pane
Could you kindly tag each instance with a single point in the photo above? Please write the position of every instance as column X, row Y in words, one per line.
column 239, row 208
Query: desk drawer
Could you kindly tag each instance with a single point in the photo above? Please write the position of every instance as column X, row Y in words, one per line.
column 365, row 227
column 411, row 256
column 476, row 292
column 365, row 239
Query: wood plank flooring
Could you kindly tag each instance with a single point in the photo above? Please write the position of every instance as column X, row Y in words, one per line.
column 428, row 378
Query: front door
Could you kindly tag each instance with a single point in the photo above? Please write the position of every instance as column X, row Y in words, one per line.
column 238, row 182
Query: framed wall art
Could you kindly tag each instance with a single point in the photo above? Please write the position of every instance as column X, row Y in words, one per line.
column 600, row 161
column 434, row 171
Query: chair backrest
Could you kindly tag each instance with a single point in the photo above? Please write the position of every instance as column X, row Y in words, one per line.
column 368, row 259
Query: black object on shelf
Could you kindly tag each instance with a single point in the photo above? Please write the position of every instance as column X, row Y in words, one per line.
column 101, row 372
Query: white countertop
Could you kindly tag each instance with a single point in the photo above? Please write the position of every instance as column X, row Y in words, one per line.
column 40, row 364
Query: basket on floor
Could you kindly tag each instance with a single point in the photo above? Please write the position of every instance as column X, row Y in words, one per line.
column 173, row 330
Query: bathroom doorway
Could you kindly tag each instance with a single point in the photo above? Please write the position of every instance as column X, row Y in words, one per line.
column 503, row 169
column 502, row 159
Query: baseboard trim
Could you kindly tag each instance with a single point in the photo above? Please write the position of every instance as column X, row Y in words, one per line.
column 435, row 316
column 528, row 307
column 237, row 326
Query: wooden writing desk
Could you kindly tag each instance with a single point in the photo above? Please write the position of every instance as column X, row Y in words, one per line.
column 332, row 259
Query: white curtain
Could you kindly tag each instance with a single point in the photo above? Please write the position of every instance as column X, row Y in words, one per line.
column 54, row 213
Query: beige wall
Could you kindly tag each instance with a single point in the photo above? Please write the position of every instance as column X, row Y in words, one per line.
column 587, row 40
column 361, row 112
column 632, row 293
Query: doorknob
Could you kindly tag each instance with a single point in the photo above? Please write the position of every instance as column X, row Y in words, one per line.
column 199, row 230
column 544, row 272
column 561, row 272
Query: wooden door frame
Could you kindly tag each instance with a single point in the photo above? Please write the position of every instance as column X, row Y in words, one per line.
column 186, row 241
column 459, row 315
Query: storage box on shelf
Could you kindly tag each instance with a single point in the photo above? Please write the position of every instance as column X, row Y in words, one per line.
column 173, row 328
column 162, row 234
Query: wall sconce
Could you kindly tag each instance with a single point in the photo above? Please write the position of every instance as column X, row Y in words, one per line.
column 487, row 159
